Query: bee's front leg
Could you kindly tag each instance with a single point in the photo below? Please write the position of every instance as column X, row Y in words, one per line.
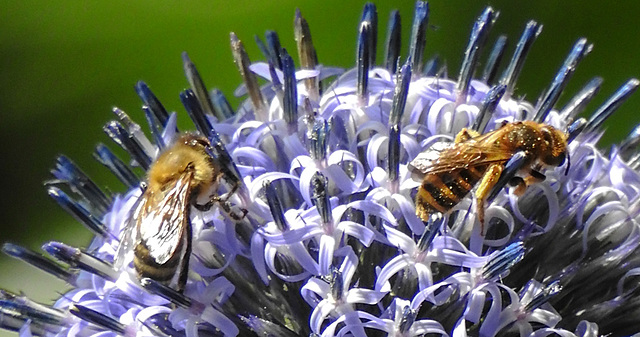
column 232, row 191
column 522, row 183
column 206, row 207
column 489, row 180
column 224, row 205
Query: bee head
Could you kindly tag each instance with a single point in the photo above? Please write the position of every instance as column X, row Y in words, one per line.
column 556, row 142
column 188, row 153
column 195, row 141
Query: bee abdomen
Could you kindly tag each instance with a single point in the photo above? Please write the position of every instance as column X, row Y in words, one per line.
column 442, row 191
column 146, row 266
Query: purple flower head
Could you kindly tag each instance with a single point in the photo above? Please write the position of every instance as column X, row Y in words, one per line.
column 310, row 227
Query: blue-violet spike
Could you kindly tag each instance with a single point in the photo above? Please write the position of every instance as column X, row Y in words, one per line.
column 97, row 318
column 197, row 85
column 544, row 106
column 578, row 103
column 77, row 258
column 510, row 75
column 37, row 312
column 418, row 38
column 575, row 128
column 134, row 131
column 241, row 58
column 395, row 118
column 612, row 104
column 107, row 158
column 363, row 60
column 478, row 38
column 290, row 101
column 165, row 292
column 393, row 42
column 69, row 173
column 38, row 261
column 150, row 100
column 275, row 206
column 493, row 62
column 488, row 106
column 227, row 165
column 221, row 105
column 336, row 284
column 431, row 66
column 400, row 94
column 24, row 312
column 503, row 260
column 430, row 231
column 306, row 53
column 274, row 47
column 120, row 136
column 263, row 48
column 393, row 157
column 370, row 14
column 154, row 127
column 317, row 138
column 543, row 297
column 79, row 212
column 408, row 317
column 275, row 80
column 629, row 145
column 190, row 102
column 320, row 196
column 160, row 326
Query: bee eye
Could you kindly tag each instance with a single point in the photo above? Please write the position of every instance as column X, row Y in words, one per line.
column 548, row 137
column 201, row 141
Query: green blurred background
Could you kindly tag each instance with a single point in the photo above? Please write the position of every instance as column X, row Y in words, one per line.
column 65, row 64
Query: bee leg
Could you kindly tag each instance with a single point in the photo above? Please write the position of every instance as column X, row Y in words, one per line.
column 224, row 203
column 465, row 134
column 522, row 183
column 205, row 207
column 226, row 207
column 231, row 192
column 536, row 176
column 489, row 179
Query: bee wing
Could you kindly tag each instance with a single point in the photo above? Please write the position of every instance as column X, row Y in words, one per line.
column 450, row 157
column 163, row 219
column 426, row 159
column 127, row 237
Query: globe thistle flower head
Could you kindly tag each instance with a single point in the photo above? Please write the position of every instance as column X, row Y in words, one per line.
column 307, row 222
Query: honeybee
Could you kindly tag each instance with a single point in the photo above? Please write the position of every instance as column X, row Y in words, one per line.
column 159, row 229
column 449, row 173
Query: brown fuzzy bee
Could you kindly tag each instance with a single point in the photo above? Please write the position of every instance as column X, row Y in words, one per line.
column 449, row 173
column 159, row 230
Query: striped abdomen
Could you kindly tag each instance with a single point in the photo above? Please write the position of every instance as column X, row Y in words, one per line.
column 146, row 266
column 440, row 192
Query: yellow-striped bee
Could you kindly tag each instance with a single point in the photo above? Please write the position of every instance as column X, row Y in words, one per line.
column 450, row 172
column 159, row 230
